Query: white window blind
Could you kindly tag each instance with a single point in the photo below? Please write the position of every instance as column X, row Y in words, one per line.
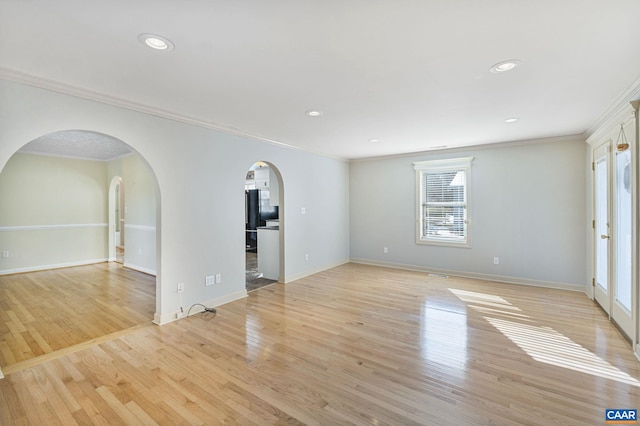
column 443, row 202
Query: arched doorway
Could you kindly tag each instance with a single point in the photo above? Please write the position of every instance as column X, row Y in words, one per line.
column 56, row 192
column 57, row 183
column 264, row 226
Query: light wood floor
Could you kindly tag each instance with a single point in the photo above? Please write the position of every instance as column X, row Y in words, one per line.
column 42, row 312
column 353, row 345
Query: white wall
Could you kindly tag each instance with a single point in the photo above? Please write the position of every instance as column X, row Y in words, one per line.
column 200, row 179
column 52, row 212
column 140, row 205
column 528, row 209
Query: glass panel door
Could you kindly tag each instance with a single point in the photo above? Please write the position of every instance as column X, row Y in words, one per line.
column 623, row 229
column 621, row 310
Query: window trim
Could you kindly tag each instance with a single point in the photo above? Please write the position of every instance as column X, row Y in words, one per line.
column 449, row 164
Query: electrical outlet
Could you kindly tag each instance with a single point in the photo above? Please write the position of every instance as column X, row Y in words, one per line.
column 209, row 280
column 496, row 260
column 385, row 250
column 306, row 257
column 5, row 254
column 218, row 278
column 303, row 210
column 180, row 287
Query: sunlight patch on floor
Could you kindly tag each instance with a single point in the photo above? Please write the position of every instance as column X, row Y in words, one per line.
column 501, row 312
column 484, row 299
column 546, row 345
column 543, row 344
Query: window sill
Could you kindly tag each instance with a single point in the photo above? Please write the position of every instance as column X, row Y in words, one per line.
column 445, row 243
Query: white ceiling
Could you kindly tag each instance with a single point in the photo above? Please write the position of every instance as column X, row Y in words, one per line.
column 413, row 74
column 78, row 144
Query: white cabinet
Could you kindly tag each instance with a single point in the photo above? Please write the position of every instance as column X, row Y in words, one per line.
column 261, row 178
column 265, row 179
column 269, row 252
column 274, row 197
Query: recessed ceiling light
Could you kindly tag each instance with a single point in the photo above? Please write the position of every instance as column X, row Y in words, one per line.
column 511, row 120
column 314, row 113
column 374, row 140
column 155, row 41
column 505, row 66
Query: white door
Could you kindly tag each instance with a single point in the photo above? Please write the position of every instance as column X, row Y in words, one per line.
column 621, row 243
column 602, row 226
column 613, row 234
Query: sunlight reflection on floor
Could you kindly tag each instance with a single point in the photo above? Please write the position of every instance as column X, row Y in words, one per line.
column 444, row 337
column 543, row 344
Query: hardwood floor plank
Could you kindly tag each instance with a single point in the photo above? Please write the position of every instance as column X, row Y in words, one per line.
column 353, row 345
column 46, row 311
column 12, row 412
column 116, row 404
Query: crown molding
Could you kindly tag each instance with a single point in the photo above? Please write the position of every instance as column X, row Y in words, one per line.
column 74, row 157
column 611, row 127
column 632, row 93
column 65, row 89
column 473, row 148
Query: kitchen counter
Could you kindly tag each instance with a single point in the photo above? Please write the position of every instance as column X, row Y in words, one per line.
column 269, row 252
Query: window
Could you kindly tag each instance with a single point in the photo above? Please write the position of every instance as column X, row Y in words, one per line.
column 443, row 202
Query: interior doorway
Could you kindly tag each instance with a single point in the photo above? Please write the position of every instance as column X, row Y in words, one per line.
column 117, row 211
column 68, row 277
column 263, row 225
column 119, row 221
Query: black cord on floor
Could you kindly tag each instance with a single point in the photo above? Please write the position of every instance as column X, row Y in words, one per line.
column 206, row 309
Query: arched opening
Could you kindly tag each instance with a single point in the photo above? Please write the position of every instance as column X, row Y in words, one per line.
column 264, row 226
column 62, row 197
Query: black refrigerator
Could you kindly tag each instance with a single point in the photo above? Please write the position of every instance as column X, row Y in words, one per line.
column 257, row 211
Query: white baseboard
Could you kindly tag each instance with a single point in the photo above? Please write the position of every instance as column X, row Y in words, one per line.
column 294, row 277
column 166, row 318
column 54, row 266
column 140, row 269
column 475, row 275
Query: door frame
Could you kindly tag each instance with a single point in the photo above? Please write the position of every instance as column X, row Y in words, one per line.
column 610, row 133
column 279, row 189
column 601, row 294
